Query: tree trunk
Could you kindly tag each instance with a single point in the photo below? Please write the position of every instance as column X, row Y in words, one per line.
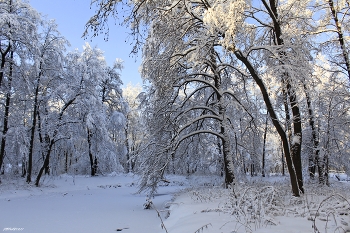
column 323, row 177
column 46, row 163
column 286, row 110
column 32, row 134
column 295, row 148
column 91, row 157
column 264, row 147
column 228, row 160
column 44, row 140
column 6, row 113
column 52, row 141
column 297, row 138
column 226, row 145
column 220, row 166
column 127, row 145
column 3, row 61
column 340, row 37
column 313, row 158
column 66, row 162
column 274, row 119
column 282, row 158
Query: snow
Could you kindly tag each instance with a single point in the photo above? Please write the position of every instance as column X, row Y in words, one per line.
column 341, row 176
column 212, row 210
column 79, row 204
column 186, row 204
column 296, row 139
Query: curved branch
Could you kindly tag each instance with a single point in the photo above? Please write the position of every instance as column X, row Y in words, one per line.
column 196, row 108
column 200, row 81
column 188, row 97
column 196, row 133
column 198, row 119
column 232, row 95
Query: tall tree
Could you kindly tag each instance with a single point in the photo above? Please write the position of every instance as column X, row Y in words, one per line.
column 47, row 63
column 283, row 54
column 198, row 90
column 18, row 25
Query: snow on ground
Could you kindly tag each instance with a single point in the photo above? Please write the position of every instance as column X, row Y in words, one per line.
column 79, row 204
column 262, row 207
column 186, row 205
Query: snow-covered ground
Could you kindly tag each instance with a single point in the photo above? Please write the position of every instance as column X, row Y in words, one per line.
column 261, row 205
column 185, row 205
column 79, row 204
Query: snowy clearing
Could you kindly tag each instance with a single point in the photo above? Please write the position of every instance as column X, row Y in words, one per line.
column 80, row 204
column 193, row 205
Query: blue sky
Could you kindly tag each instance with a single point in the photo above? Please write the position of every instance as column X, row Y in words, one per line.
column 71, row 17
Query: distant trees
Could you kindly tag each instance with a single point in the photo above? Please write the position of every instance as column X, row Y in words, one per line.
column 135, row 124
column 61, row 112
column 86, row 113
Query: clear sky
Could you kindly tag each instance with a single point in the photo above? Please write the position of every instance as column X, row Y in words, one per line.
column 71, row 17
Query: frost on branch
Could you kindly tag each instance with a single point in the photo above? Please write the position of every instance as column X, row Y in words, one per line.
column 225, row 18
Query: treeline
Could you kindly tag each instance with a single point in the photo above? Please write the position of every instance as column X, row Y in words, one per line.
column 60, row 112
column 233, row 87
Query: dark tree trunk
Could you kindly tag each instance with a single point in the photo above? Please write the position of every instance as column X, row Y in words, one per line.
column 274, row 119
column 46, row 163
column 66, row 162
column 326, row 175
column 91, row 157
column 236, row 146
column 46, row 145
column 264, row 147
column 3, row 61
column 297, row 138
column 295, row 145
column 282, row 158
column 228, row 160
column 6, row 112
column 32, row 132
column 340, row 37
column 44, row 140
column 286, row 110
column 53, row 140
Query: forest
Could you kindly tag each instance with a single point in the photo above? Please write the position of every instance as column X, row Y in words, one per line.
column 232, row 88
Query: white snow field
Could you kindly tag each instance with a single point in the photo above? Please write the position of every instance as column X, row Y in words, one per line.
column 109, row 204
column 92, row 204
